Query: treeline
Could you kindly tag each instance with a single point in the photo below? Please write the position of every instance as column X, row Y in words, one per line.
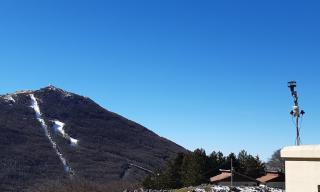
column 195, row 168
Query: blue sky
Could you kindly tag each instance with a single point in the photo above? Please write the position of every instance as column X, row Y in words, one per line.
column 208, row 74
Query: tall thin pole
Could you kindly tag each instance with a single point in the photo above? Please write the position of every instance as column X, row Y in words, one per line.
column 298, row 131
column 231, row 169
column 296, row 109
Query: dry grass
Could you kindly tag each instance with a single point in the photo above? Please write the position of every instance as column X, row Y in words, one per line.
column 80, row 185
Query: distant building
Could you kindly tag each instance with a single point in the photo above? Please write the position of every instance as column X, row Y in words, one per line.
column 273, row 179
column 224, row 178
column 302, row 168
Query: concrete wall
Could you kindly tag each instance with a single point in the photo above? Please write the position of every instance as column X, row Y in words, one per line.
column 302, row 164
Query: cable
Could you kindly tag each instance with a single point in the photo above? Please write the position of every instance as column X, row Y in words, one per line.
column 301, row 120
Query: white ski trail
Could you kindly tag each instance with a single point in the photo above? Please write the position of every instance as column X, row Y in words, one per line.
column 35, row 106
column 58, row 127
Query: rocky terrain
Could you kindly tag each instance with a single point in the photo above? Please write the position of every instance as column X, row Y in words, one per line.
column 53, row 134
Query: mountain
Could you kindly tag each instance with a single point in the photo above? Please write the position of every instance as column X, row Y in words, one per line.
column 51, row 134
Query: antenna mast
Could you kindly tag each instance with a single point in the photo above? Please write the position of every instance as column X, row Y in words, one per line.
column 296, row 113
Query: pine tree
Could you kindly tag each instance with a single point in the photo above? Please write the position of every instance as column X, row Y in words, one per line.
column 174, row 172
column 216, row 161
column 167, row 178
column 249, row 165
column 193, row 168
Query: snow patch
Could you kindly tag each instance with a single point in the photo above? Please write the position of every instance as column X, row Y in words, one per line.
column 36, row 108
column 58, row 127
column 8, row 98
column 220, row 188
column 241, row 189
column 23, row 91
column 200, row 190
column 74, row 142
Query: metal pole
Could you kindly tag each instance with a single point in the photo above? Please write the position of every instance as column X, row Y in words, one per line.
column 298, row 134
column 231, row 169
column 296, row 112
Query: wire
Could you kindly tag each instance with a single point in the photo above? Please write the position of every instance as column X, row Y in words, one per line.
column 250, row 178
column 300, row 126
column 293, row 122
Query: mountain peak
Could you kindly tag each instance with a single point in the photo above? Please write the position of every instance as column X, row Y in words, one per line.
column 40, row 131
column 52, row 88
column 47, row 88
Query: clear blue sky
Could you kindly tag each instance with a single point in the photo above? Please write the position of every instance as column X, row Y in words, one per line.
column 208, row 74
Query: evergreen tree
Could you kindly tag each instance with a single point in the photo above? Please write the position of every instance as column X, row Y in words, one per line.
column 216, row 161
column 167, row 178
column 173, row 172
column 249, row 165
column 242, row 159
column 235, row 162
column 193, row 168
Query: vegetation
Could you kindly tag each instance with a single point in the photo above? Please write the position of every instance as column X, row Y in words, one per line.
column 107, row 142
column 276, row 163
column 195, row 168
column 80, row 185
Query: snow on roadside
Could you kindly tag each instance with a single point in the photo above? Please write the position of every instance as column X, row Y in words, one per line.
column 58, row 127
column 36, row 108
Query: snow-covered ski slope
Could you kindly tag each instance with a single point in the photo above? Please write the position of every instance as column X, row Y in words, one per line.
column 36, row 108
column 59, row 127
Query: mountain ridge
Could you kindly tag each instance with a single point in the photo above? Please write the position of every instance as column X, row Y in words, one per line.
column 107, row 143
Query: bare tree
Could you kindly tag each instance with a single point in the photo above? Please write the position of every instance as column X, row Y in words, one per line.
column 276, row 163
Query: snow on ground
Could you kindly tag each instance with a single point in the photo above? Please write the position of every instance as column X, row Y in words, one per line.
column 36, row 108
column 8, row 98
column 73, row 142
column 220, row 188
column 23, row 92
column 214, row 188
column 217, row 188
column 58, row 127
column 243, row 189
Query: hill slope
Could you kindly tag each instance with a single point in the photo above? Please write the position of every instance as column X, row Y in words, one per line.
column 51, row 133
